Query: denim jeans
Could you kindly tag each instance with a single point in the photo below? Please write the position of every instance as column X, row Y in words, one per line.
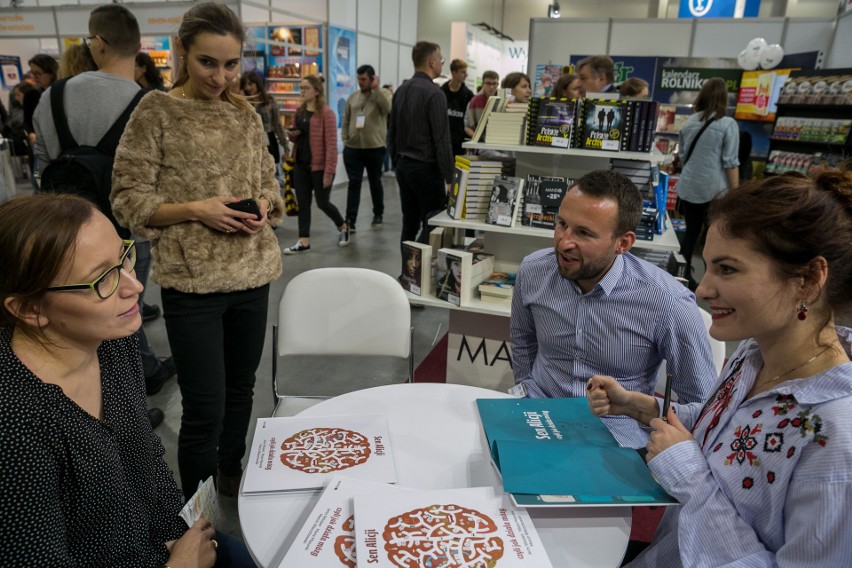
column 216, row 340
column 231, row 553
column 356, row 160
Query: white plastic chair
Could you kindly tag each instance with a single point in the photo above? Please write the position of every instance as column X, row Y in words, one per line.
column 335, row 312
column 717, row 350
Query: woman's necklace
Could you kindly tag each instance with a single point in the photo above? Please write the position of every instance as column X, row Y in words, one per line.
column 796, row 368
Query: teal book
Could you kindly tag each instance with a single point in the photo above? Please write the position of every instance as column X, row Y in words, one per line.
column 555, row 452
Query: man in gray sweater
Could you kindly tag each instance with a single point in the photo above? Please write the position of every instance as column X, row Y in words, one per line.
column 93, row 101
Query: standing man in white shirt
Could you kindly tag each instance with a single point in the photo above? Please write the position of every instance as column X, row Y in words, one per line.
column 364, row 133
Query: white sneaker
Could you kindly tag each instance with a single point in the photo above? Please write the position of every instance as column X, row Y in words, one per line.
column 343, row 237
column 297, row 248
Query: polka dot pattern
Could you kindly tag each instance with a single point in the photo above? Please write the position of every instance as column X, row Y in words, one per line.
column 76, row 491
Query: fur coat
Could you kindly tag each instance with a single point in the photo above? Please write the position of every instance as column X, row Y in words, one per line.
column 176, row 151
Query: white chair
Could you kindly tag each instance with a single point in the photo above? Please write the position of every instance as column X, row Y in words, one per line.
column 717, row 350
column 337, row 312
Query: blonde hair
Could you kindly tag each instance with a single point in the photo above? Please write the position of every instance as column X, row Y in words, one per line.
column 317, row 84
column 75, row 60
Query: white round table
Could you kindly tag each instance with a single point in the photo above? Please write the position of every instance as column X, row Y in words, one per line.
column 437, row 444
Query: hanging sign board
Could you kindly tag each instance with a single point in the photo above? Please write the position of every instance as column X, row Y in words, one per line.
column 20, row 23
column 719, row 8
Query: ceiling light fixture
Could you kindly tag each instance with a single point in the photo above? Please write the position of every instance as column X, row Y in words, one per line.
column 553, row 10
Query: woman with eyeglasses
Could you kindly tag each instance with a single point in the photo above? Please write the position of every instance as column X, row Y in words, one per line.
column 193, row 174
column 83, row 476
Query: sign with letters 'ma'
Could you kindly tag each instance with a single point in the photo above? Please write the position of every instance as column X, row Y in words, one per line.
column 719, row 8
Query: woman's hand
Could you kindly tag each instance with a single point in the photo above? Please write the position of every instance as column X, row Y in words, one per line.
column 606, row 396
column 293, row 134
column 252, row 225
column 327, row 180
column 196, row 548
column 215, row 214
column 666, row 434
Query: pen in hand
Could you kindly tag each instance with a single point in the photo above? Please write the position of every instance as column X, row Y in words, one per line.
column 667, row 398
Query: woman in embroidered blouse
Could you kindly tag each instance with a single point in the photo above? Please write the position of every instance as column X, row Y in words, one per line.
column 763, row 470
column 84, row 479
column 315, row 152
column 184, row 156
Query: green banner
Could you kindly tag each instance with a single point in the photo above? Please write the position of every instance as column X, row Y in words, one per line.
column 692, row 78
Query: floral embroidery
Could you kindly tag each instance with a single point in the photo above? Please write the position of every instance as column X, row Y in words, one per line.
column 748, row 483
column 784, row 403
column 757, row 413
column 791, row 451
column 717, row 447
column 718, row 403
column 743, row 445
column 770, row 477
column 808, row 423
column 773, row 442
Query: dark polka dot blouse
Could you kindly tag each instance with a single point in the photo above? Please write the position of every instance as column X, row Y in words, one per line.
column 76, row 491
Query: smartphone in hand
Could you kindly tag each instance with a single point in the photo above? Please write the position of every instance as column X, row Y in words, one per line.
column 246, row 206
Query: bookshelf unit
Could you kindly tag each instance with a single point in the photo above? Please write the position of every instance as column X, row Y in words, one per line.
column 511, row 244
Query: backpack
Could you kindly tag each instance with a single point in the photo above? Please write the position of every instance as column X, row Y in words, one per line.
column 85, row 170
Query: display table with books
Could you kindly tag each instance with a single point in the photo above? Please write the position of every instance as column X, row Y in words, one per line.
column 437, row 444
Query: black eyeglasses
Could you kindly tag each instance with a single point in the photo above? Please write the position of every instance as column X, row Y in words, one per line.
column 106, row 284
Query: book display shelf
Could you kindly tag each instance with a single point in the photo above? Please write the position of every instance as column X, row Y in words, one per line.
column 510, row 245
column 813, row 122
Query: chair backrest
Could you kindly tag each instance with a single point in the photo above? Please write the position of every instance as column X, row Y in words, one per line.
column 344, row 311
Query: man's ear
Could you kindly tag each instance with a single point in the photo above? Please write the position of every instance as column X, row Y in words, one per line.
column 25, row 311
column 625, row 242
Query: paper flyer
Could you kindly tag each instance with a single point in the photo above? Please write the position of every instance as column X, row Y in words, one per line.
column 205, row 503
column 301, row 453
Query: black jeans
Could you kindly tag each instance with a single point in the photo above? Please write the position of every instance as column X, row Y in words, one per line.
column 695, row 215
column 150, row 363
column 216, row 340
column 422, row 193
column 356, row 160
column 307, row 184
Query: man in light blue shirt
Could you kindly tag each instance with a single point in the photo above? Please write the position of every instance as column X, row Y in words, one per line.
column 589, row 307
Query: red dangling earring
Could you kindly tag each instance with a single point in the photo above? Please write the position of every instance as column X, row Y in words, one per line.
column 803, row 312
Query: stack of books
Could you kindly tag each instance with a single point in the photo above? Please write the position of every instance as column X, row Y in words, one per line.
column 509, row 126
column 497, row 288
column 647, row 225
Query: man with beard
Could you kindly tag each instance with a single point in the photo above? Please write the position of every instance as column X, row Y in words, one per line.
column 588, row 307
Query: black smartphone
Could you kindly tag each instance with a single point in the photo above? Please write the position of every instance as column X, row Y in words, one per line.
column 246, row 206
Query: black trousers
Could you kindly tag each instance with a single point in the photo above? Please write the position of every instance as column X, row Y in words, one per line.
column 422, row 193
column 695, row 215
column 356, row 160
column 216, row 340
column 307, row 184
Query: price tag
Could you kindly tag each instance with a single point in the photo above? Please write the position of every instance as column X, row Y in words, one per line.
column 504, row 220
column 518, row 390
column 454, row 299
column 559, row 142
column 360, row 120
column 415, row 289
column 534, row 208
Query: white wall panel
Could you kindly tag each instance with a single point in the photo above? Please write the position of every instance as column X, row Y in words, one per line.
column 369, row 16
column 390, row 19
column 554, row 41
column 408, row 22
column 841, row 48
column 406, row 67
column 388, row 69
column 726, row 38
column 308, row 9
column 651, row 37
column 343, row 13
column 805, row 35
column 368, row 51
column 24, row 48
column 253, row 15
column 73, row 21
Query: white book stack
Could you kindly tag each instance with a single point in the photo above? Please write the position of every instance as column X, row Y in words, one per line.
column 479, row 182
column 506, row 128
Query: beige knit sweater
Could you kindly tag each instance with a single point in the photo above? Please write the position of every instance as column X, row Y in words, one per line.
column 176, row 151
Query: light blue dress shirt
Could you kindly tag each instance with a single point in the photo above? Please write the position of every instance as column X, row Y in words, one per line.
column 703, row 175
column 767, row 481
column 633, row 319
